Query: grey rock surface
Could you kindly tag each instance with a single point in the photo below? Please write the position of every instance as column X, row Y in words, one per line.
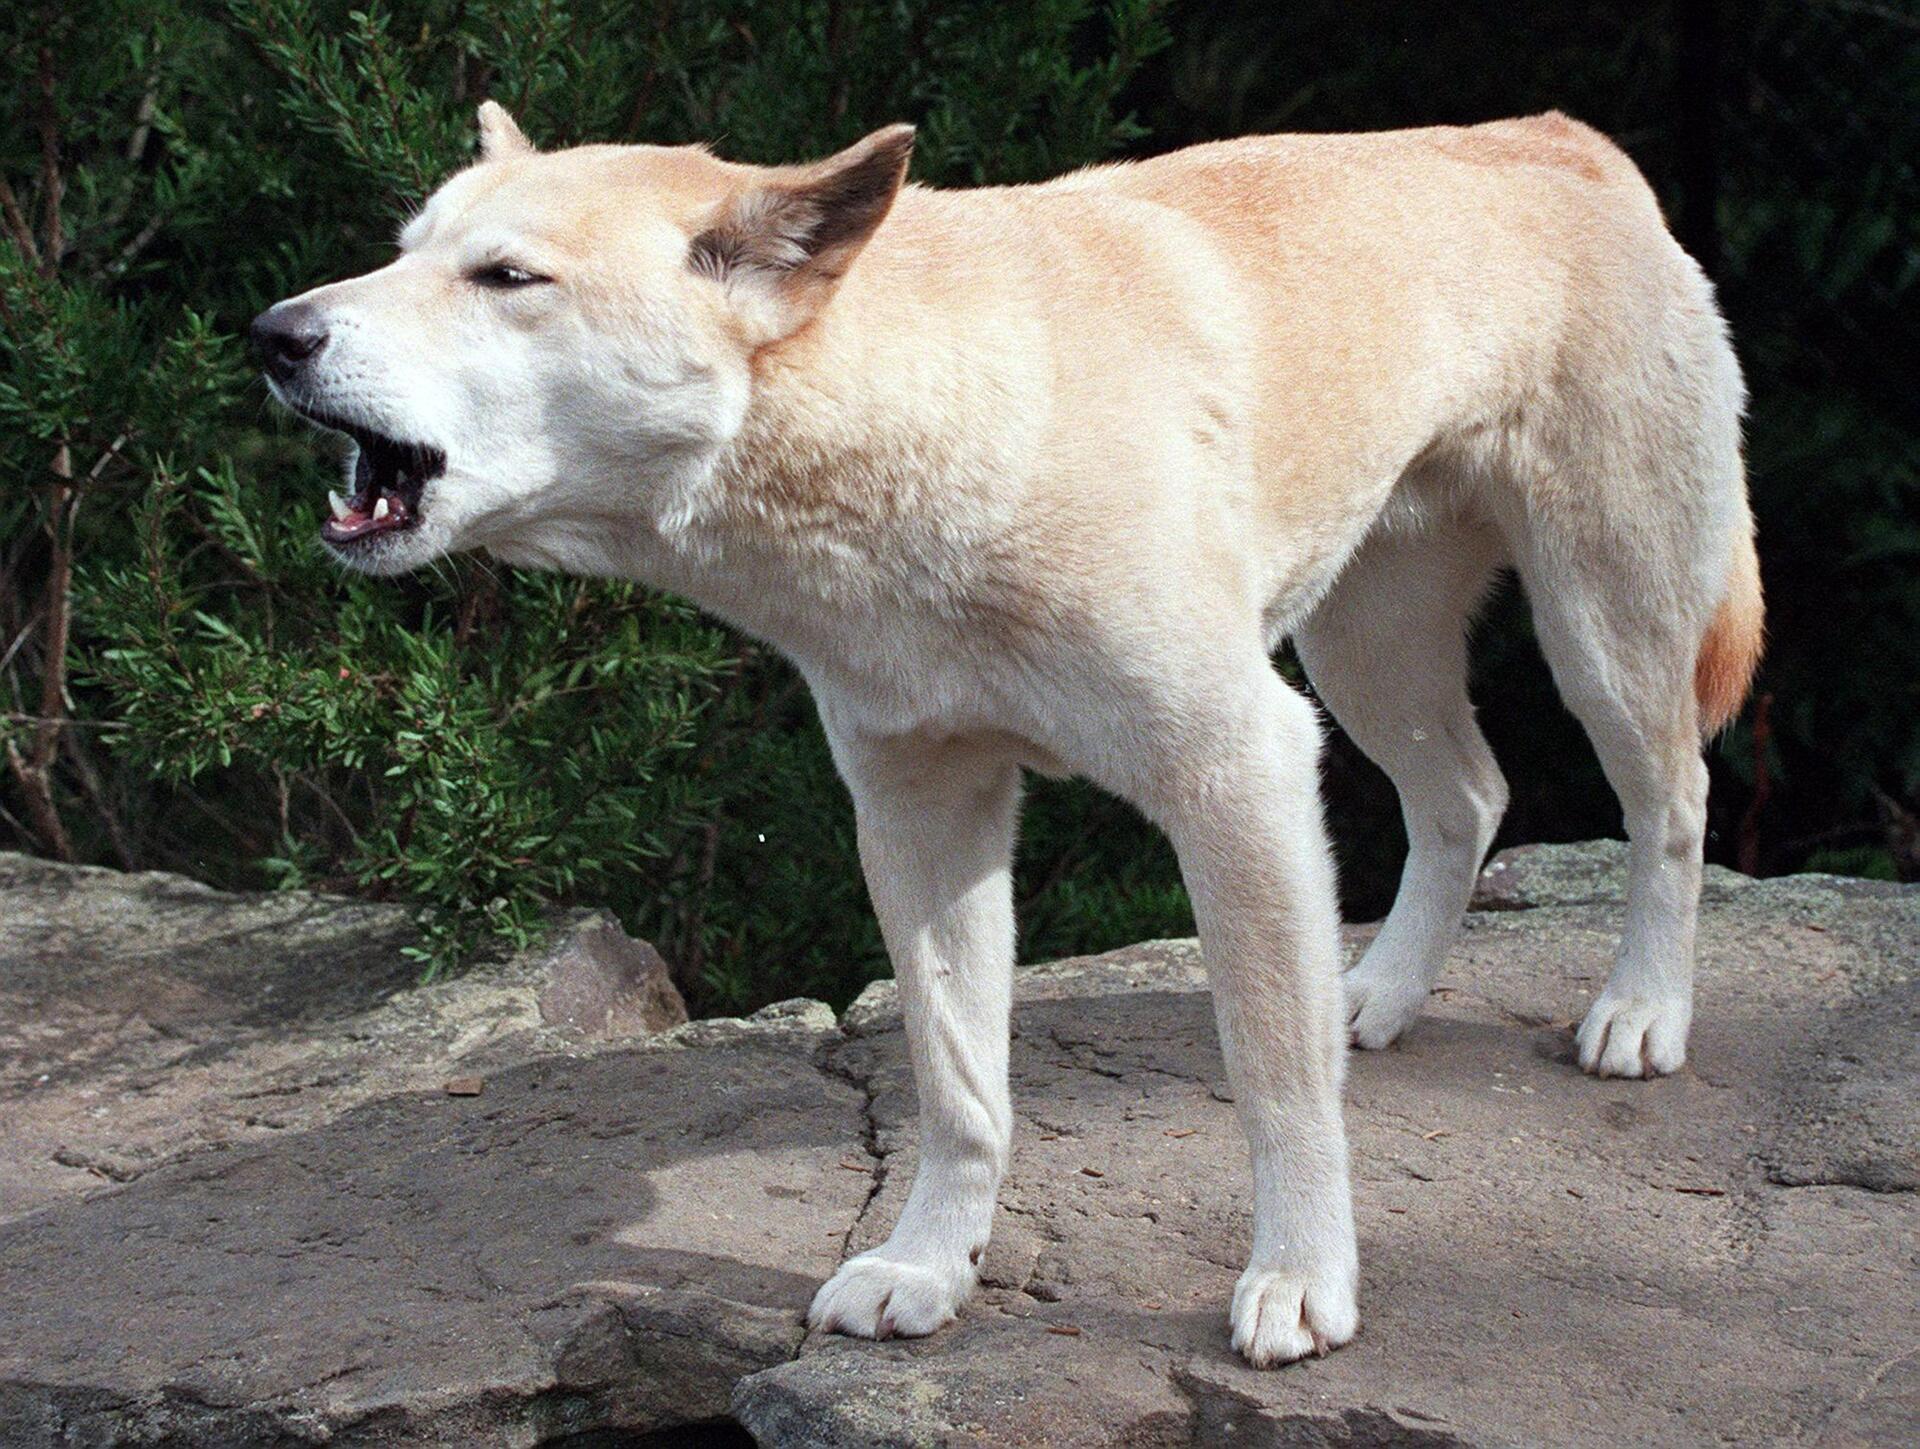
column 1585, row 873
column 574, row 1249
column 143, row 1016
column 620, row 1239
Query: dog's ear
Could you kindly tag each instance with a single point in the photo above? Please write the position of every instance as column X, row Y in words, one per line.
column 499, row 136
column 793, row 236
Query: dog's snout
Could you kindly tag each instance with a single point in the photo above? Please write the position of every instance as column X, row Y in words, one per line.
column 286, row 336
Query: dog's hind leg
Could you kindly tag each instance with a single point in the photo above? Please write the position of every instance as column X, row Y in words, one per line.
column 1635, row 545
column 1627, row 674
column 936, row 844
column 1387, row 653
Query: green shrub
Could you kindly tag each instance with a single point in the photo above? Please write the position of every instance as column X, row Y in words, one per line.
column 481, row 742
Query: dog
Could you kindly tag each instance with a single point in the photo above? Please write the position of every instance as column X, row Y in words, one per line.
column 1039, row 477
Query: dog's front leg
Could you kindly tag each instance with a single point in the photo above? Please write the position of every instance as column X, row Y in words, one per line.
column 1238, row 793
column 936, row 843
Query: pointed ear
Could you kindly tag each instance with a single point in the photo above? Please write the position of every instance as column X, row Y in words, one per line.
column 499, row 136
column 796, row 234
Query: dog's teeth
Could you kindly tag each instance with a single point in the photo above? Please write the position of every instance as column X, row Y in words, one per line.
column 340, row 509
column 381, row 510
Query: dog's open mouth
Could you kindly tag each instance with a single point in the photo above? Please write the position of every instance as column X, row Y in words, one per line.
column 388, row 478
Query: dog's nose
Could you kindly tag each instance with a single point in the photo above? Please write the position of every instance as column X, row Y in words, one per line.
column 287, row 335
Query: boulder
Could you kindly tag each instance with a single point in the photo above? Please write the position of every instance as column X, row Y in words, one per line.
column 618, row 1238
column 604, row 985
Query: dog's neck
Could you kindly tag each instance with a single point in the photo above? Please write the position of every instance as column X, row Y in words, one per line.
column 860, row 482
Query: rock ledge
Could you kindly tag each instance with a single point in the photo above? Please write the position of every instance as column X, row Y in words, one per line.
column 245, row 1208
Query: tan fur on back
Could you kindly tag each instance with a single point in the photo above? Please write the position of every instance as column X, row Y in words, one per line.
column 1244, row 344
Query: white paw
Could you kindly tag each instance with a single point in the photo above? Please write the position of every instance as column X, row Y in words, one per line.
column 1382, row 1002
column 879, row 1297
column 1280, row 1315
column 1634, row 1036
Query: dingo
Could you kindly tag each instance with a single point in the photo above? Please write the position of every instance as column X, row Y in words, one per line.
column 1039, row 477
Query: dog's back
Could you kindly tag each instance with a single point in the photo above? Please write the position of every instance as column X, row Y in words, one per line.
column 1288, row 339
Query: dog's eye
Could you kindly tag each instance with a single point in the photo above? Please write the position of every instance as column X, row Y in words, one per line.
column 504, row 276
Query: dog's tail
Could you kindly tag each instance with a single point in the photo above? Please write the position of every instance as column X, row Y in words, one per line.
column 1730, row 650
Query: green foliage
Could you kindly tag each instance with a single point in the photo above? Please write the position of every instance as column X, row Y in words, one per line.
column 485, row 763
column 1869, row 861
column 482, row 743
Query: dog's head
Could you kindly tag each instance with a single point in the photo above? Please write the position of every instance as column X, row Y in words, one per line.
column 565, row 340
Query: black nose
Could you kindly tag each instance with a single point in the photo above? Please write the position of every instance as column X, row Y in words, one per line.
column 286, row 335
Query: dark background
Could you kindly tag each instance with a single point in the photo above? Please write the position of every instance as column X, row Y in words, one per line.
column 189, row 686
column 1782, row 140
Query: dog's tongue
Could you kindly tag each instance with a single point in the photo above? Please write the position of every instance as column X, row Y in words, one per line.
column 375, row 506
column 389, row 480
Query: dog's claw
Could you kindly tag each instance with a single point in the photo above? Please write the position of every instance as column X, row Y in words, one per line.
column 1634, row 1036
column 1279, row 1317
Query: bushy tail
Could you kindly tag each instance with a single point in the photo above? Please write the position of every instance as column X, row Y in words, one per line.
column 1730, row 652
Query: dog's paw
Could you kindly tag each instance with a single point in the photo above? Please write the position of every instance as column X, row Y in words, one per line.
column 873, row 1296
column 1382, row 1002
column 1280, row 1315
column 1634, row 1036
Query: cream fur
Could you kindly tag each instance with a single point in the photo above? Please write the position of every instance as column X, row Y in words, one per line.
column 1039, row 476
